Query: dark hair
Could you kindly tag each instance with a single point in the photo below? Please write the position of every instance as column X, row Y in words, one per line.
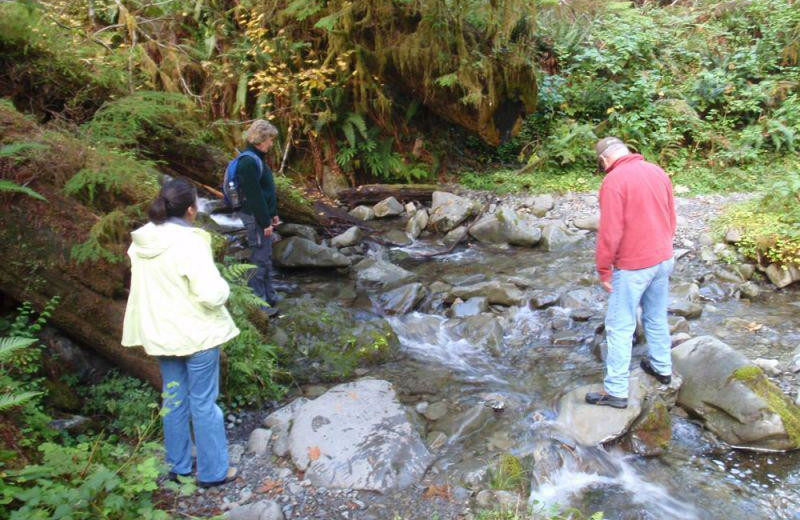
column 174, row 199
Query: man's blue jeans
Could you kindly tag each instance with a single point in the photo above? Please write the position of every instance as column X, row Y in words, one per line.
column 650, row 288
column 191, row 387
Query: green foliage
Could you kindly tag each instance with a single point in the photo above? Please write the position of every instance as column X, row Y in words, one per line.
column 25, row 362
column 110, row 175
column 125, row 404
column 12, row 397
column 509, row 474
column 366, row 151
column 510, row 181
column 251, row 374
column 7, row 186
column 755, row 379
column 522, row 512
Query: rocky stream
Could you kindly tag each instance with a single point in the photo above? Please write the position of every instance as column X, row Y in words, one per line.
column 493, row 345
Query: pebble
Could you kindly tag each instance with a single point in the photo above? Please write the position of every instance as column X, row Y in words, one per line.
column 435, row 411
column 284, row 473
column 769, row 366
column 421, row 407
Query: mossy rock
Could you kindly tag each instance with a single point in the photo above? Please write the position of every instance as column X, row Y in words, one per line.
column 652, row 432
column 327, row 342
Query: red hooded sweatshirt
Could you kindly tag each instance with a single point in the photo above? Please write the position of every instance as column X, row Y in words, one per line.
column 637, row 216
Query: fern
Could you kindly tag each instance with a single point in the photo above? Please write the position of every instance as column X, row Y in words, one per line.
column 7, row 186
column 20, row 150
column 10, row 345
column 11, row 400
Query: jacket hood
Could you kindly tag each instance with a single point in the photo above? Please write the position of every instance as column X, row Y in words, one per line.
column 151, row 240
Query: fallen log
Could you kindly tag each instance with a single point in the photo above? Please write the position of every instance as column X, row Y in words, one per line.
column 374, row 193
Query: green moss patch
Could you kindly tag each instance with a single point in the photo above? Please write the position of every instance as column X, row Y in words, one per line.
column 509, row 474
column 753, row 377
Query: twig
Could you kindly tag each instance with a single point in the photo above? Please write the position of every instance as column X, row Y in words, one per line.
column 286, row 150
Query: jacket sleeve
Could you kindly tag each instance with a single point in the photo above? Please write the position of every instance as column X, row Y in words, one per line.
column 609, row 235
column 250, row 186
column 205, row 282
column 272, row 197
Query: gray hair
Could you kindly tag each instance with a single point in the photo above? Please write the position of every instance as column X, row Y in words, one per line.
column 260, row 131
column 610, row 146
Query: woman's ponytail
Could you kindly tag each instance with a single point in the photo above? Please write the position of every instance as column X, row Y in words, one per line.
column 174, row 199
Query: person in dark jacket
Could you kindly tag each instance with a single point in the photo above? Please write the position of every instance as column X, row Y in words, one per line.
column 259, row 209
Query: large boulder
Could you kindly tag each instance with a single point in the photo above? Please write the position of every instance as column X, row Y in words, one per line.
column 357, row 436
column 349, row 238
column 482, row 330
column 376, row 274
column 556, row 237
column 448, row 211
column 301, row 252
column 362, row 213
column 494, row 291
column 401, row 300
column 388, row 207
column 297, row 230
column 733, row 397
column 506, row 226
column 783, row 276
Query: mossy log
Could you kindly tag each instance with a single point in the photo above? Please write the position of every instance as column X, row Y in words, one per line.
column 35, row 265
column 374, row 193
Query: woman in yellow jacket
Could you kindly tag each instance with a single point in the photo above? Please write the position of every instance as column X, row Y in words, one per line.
column 176, row 311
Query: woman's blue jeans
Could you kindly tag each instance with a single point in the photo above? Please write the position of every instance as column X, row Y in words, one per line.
column 630, row 288
column 190, row 389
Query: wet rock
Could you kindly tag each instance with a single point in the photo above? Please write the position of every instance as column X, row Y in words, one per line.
column 471, row 307
column 378, row 274
column 519, row 281
column 279, row 422
column 685, row 309
column 745, row 270
column 357, row 436
column 733, row 397
column 439, row 287
column 542, row 204
column 749, row 290
column 783, row 276
column 483, row 331
column 651, row 432
column 417, row 223
column 591, row 425
column 464, row 424
column 680, row 337
column 769, row 366
column 464, row 279
column 679, row 253
column 588, row 223
column 581, row 314
column 362, row 213
column 579, row 299
column 495, row 292
column 258, row 442
column 410, row 208
column 436, row 440
column 261, row 510
column 705, row 239
column 506, row 226
column 508, row 500
column 397, row 237
column 435, row 411
column 485, row 498
column 555, row 237
column 542, row 298
column 301, row 252
column 678, row 324
column 401, row 300
column 564, row 338
column 71, row 424
column 455, row 236
column 349, row 238
column 448, row 211
column 733, row 235
column 298, row 230
column 388, row 207
column 728, row 275
column 235, row 452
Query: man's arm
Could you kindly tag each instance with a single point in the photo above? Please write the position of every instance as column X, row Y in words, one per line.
column 612, row 221
column 250, row 187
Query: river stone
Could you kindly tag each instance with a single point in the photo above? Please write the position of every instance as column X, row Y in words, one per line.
column 401, row 300
column 380, row 274
column 733, row 397
column 417, row 222
column 769, row 366
column 542, row 298
column 678, row 338
column 555, row 237
column 448, row 211
column 436, row 440
column 300, row 252
column 261, row 510
column 298, row 230
column 579, row 299
column 686, row 309
column 435, row 411
column 506, row 226
column 362, row 213
column 728, row 275
column 495, row 292
column 388, row 207
column 463, row 279
column 781, row 277
column 651, row 432
column 455, row 236
column 733, row 235
column 746, row 270
column 749, row 290
column 542, row 204
column 471, row 307
column 357, row 436
column 592, row 425
column 258, row 442
column 349, row 238
column 483, row 331
column 588, row 223
column 279, row 422
column 397, row 237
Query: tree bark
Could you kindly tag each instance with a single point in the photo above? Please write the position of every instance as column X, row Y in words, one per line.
column 374, row 193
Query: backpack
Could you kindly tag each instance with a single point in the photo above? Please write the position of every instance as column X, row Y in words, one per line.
column 230, row 182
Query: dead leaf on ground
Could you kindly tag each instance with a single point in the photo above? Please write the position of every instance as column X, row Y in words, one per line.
column 440, row 491
column 270, row 486
column 753, row 326
column 313, row 453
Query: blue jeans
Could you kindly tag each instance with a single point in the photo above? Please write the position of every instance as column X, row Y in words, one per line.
column 650, row 288
column 260, row 256
column 191, row 387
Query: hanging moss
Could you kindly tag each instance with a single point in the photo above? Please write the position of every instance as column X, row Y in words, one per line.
column 777, row 402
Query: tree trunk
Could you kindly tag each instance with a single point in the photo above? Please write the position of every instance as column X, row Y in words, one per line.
column 374, row 193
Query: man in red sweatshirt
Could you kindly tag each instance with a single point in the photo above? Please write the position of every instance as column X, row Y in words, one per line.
column 634, row 260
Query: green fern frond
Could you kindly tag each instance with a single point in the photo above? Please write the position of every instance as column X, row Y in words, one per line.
column 9, row 345
column 8, row 186
column 10, row 400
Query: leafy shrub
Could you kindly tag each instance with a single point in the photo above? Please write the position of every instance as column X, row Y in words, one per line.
column 126, row 404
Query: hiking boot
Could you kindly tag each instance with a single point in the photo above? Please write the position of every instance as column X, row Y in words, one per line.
column 648, row 368
column 229, row 477
column 270, row 311
column 603, row 399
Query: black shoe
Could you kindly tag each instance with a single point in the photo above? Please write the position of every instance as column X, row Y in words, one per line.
column 270, row 311
column 648, row 368
column 602, row 399
column 229, row 477
column 174, row 476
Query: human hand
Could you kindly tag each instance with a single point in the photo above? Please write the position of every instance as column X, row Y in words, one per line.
column 607, row 286
column 268, row 231
column 276, row 220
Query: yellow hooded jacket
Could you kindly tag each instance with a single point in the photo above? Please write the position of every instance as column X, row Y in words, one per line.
column 176, row 305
